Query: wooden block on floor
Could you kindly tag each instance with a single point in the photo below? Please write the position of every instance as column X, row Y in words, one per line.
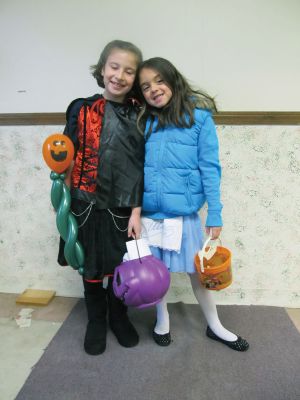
column 36, row 296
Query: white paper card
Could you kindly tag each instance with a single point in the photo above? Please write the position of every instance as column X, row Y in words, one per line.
column 137, row 248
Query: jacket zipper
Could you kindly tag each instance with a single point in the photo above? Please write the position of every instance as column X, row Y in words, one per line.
column 159, row 169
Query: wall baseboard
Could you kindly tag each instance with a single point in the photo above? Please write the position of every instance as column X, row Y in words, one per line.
column 222, row 118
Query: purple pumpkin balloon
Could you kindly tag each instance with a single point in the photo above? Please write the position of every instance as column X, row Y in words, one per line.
column 142, row 282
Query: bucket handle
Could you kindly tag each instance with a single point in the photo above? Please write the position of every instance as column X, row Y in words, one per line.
column 138, row 251
column 209, row 253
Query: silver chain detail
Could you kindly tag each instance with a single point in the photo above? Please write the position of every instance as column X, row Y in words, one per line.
column 88, row 210
column 117, row 216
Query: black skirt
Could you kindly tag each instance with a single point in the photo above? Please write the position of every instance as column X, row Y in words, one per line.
column 103, row 237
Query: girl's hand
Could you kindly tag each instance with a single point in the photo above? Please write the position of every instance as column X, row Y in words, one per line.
column 134, row 223
column 213, row 231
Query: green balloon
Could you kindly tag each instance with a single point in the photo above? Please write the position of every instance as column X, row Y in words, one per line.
column 66, row 222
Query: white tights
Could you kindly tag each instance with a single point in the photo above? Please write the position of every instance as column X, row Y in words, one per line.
column 208, row 306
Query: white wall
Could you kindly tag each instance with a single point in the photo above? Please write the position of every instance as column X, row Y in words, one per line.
column 245, row 52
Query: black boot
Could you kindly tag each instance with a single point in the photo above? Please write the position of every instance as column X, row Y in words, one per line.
column 96, row 305
column 118, row 320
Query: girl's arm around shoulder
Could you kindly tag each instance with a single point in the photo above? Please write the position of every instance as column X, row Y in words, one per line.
column 209, row 165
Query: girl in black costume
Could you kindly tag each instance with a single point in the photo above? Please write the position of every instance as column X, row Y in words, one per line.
column 106, row 183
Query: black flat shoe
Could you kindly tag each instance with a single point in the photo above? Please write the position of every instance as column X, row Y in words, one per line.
column 162, row 340
column 239, row 345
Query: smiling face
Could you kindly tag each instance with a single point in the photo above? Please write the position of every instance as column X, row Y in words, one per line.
column 118, row 74
column 58, row 152
column 155, row 90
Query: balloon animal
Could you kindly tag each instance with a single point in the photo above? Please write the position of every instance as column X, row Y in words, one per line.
column 58, row 152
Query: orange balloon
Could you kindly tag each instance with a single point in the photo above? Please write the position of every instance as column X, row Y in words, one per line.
column 58, row 152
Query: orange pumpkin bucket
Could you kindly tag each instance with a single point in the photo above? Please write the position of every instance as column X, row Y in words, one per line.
column 213, row 265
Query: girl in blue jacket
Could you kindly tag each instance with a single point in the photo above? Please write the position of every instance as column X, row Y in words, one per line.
column 182, row 172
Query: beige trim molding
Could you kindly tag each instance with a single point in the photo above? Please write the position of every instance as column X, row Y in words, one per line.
column 222, row 118
column 33, row 119
column 257, row 118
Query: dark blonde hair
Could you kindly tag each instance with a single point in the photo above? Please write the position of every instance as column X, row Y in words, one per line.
column 180, row 109
column 96, row 69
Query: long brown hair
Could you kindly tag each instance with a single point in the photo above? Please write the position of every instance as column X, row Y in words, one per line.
column 180, row 109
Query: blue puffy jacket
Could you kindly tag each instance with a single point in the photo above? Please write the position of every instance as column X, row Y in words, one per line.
column 182, row 170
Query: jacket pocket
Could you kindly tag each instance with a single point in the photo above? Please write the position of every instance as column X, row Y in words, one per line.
column 188, row 193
